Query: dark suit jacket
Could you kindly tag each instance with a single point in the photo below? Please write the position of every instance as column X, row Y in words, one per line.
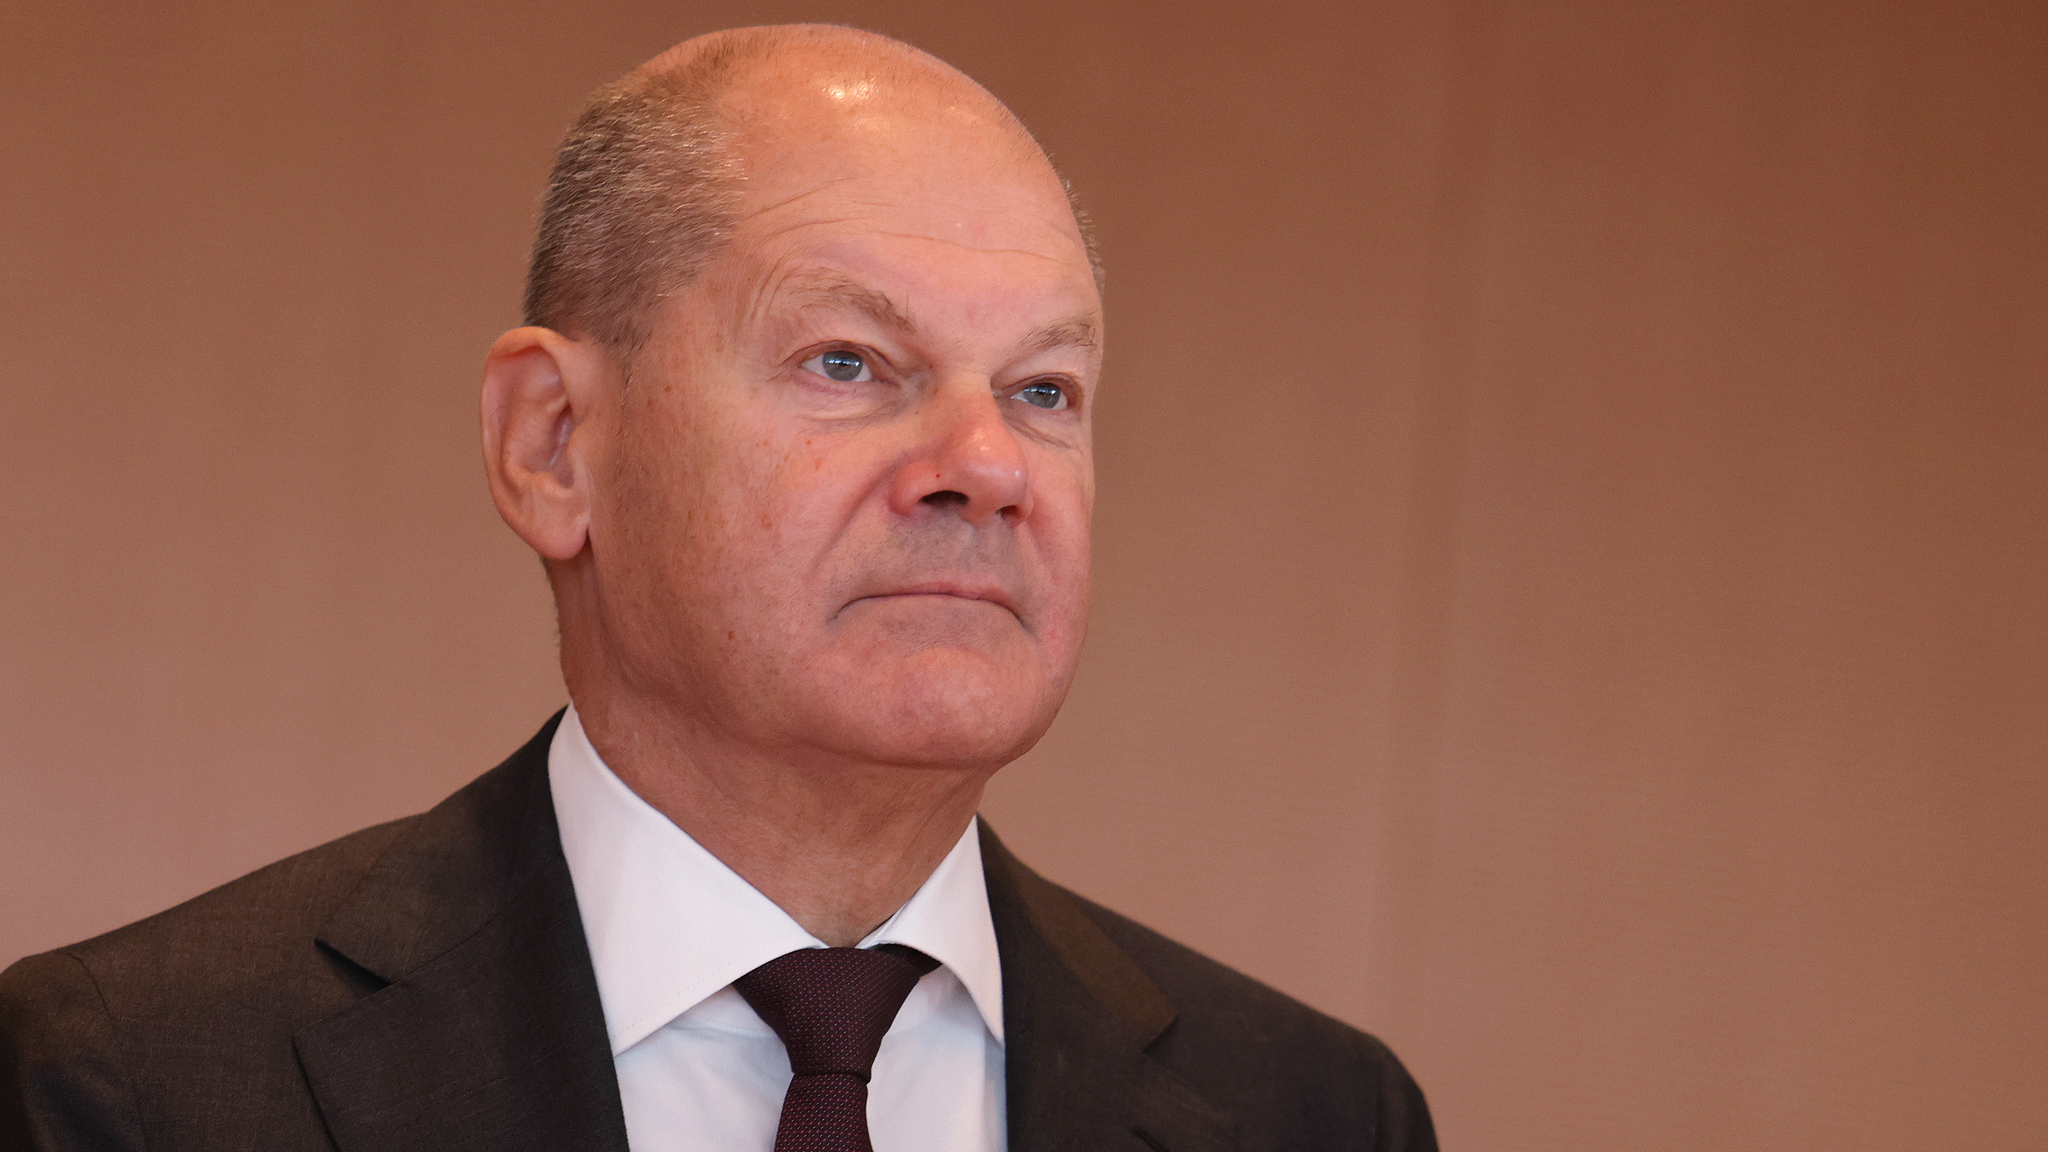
column 424, row 984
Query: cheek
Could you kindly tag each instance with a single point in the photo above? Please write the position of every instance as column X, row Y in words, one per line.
column 1061, row 536
column 1064, row 509
column 803, row 493
column 681, row 507
column 787, row 519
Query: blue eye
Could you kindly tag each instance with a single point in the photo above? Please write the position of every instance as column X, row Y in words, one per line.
column 841, row 365
column 1043, row 395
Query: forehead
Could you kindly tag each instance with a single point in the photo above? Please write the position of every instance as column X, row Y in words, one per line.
column 878, row 177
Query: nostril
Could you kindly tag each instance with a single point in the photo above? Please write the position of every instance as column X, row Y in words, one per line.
column 946, row 498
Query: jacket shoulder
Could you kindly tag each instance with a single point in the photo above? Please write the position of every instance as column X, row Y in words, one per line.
column 181, row 1030
column 192, row 1002
column 1234, row 1040
column 236, row 939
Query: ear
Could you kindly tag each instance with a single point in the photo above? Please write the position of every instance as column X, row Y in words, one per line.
column 540, row 387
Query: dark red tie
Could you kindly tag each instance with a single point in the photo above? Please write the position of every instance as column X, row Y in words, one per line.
column 831, row 1006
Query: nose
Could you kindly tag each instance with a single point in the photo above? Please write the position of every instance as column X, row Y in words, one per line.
column 966, row 459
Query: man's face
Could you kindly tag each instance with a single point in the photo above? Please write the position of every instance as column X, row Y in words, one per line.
column 848, row 508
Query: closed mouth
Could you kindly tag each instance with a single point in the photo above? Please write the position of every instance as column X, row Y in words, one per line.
column 993, row 596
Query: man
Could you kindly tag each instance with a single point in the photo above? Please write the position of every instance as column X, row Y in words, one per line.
column 800, row 427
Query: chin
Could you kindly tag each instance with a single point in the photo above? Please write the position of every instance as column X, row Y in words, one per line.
column 945, row 710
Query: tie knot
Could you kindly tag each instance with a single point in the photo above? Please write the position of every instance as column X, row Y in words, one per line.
column 832, row 1006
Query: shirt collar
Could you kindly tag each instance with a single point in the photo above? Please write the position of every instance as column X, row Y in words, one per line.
column 668, row 924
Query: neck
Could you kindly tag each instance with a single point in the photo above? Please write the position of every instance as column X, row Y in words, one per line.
column 838, row 843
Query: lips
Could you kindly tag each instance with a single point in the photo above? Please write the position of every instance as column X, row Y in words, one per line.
column 958, row 590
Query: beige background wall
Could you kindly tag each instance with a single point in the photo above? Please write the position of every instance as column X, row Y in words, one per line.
column 1573, row 539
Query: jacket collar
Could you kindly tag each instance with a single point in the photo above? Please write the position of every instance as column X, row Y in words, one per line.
column 1080, row 1015
column 488, row 1032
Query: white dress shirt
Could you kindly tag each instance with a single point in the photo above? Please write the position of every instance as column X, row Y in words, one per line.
column 671, row 927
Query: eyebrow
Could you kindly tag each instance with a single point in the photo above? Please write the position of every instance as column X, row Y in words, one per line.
column 837, row 291
column 828, row 291
column 1077, row 332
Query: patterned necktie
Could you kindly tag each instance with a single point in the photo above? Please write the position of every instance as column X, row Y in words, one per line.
column 831, row 1007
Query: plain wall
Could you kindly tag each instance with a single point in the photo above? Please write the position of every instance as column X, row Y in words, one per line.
column 1571, row 552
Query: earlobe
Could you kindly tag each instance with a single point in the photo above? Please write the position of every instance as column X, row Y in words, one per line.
column 535, row 396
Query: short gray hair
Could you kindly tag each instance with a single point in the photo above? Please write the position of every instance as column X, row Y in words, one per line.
column 643, row 195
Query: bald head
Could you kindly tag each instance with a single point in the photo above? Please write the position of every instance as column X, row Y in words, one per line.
column 664, row 163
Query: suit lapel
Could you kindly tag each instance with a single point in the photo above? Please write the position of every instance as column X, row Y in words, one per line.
column 488, row 1032
column 1078, row 1016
